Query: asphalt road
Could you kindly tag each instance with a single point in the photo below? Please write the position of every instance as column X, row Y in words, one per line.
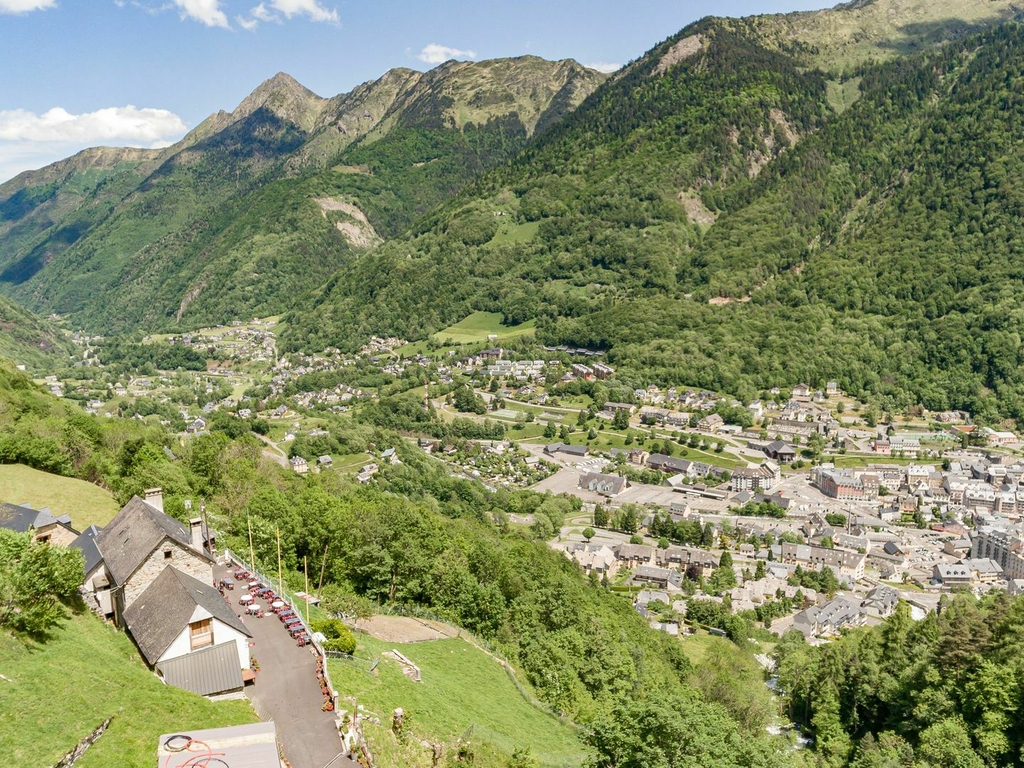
column 287, row 691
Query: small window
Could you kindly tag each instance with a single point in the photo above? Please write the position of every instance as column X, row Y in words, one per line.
column 201, row 633
column 167, row 554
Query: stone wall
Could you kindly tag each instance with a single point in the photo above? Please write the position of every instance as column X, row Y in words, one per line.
column 182, row 558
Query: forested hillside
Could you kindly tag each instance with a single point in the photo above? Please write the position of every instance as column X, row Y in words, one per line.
column 716, row 215
column 30, row 340
column 945, row 691
column 256, row 206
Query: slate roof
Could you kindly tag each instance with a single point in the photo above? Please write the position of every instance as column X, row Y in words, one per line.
column 21, row 518
column 86, row 542
column 606, row 484
column 164, row 609
column 133, row 534
column 572, row 450
column 207, row 672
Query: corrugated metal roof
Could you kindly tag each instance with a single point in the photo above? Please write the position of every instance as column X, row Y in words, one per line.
column 207, row 672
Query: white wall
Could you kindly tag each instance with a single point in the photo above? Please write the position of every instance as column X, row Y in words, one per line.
column 222, row 633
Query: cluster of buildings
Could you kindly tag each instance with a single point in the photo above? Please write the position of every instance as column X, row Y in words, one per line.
column 153, row 577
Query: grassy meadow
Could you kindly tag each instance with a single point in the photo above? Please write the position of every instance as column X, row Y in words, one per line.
column 464, row 692
column 87, row 504
column 478, row 326
column 53, row 695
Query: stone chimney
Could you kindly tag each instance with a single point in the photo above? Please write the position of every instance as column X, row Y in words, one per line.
column 195, row 526
column 155, row 498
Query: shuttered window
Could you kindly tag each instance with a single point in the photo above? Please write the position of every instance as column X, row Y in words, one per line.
column 201, row 633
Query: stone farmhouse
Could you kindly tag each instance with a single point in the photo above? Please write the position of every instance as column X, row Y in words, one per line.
column 153, row 577
column 45, row 527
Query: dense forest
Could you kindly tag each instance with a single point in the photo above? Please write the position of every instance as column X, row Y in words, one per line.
column 945, row 691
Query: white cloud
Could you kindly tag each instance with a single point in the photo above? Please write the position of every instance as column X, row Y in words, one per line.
column 435, row 54
column 28, row 140
column 123, row 124
column 271, row 12
column 261, row 13
column 24, row 6
column 311, row 8
column 601, row 66
column 206, row 11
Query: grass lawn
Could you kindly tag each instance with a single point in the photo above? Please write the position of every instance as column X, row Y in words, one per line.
column 479, row 325
column 87, row 504
column 697, row 646
column 59, row 692
column 515, row 233
column 462, row 688
column 847, row 461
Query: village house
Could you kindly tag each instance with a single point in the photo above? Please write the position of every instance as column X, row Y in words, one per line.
column 691, row 560
column 881, row 601
column 710, row 423
column 633, row 555
column 154, row 577
column 605, row 485
column 43, row 524
column 591, row 557
column 299, row 465
column 829, row 619
column 848, row 565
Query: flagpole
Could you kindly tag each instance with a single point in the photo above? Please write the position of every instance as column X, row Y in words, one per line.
column 323, row 568
column 252, row 554
column 305, row 570
column 280, row 587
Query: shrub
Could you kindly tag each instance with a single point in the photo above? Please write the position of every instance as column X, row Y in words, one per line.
column 339, row 638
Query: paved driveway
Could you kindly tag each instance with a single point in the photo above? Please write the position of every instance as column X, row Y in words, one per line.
column 286, row 691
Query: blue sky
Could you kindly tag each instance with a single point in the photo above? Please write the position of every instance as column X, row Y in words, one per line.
column 79, row 73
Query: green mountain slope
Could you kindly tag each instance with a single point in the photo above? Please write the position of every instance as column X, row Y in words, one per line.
column 30, row 340
column 723, row 213
column 256, row 206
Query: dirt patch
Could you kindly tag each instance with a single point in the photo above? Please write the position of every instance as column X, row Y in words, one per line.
column 696, row 211
column 330, row 204
column 718, row 301
column 405, row 629
column 359, row 231
column 684, row 49
column 362, row 235
column 779, row 120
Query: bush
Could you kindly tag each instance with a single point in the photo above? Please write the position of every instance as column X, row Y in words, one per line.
column 341, row 644
column 339, row 638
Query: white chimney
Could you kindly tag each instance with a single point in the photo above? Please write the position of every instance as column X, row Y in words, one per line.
column 195, row 526
column 155, row 498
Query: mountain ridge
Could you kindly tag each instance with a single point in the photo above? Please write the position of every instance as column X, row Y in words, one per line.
column 167, row 230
